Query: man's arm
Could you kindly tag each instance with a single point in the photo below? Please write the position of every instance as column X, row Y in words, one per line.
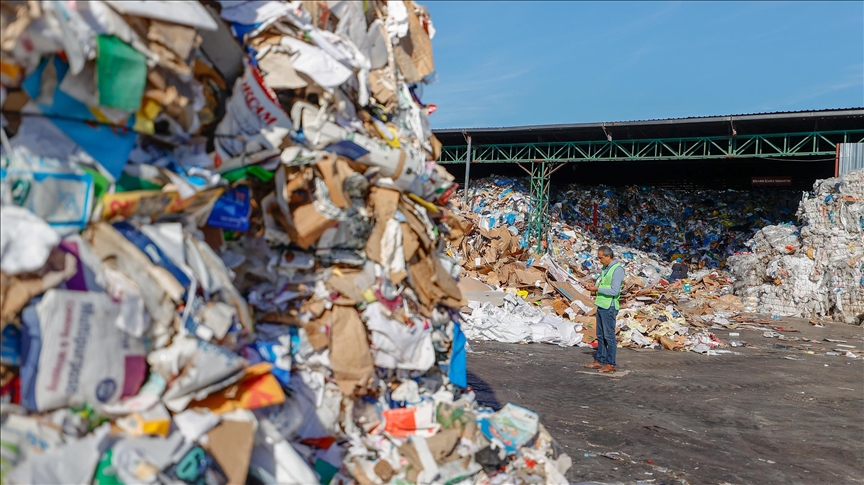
column 617, row 279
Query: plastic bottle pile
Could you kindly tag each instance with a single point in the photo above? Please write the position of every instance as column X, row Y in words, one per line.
column 220, row 253
column 815, row 270
column 521, row 298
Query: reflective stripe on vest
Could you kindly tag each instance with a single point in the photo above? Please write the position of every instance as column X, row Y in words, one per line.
column 605, row 301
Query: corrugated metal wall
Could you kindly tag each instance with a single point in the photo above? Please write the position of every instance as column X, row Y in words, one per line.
column 850, row 157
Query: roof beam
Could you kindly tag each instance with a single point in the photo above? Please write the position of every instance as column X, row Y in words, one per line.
column 776, row 145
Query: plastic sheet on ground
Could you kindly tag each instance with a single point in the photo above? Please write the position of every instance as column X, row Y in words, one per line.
column 518, row 322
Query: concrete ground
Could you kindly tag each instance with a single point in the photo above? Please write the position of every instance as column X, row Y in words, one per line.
column 772, row 414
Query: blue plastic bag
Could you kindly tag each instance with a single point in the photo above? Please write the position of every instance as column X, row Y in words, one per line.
column 231, row 211
column 458, row 358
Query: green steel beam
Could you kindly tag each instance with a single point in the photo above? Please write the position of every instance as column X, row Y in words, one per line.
column 547, row 157
column 537, row 227
column 703, row 148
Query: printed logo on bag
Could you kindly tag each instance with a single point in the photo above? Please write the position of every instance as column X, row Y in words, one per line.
column 106, row 389
column 20, row 191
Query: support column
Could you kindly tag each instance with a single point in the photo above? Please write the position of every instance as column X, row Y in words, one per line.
column 538, row 226
column 538, row 221
column 468, row 157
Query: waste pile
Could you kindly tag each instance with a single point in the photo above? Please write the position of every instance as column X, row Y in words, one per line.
column 815, row 270
column 499, row 203
column 517, row 297
column 221, row 253
column 704, row 227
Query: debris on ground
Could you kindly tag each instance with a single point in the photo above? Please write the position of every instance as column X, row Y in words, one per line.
column 815, row 270
column 517, row 297
column 221, row 233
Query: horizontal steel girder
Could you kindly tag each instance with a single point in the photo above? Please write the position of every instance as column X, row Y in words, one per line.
column 741, row 146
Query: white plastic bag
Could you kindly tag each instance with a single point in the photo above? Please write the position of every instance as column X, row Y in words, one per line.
column 74, row 354
column 25, row 240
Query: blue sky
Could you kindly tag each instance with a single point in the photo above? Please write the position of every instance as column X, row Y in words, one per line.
column 527, row 63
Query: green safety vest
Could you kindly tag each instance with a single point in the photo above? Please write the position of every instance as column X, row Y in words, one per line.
column 604, row 301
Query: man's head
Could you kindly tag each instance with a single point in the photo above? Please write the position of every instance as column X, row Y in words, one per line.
column 605, row 255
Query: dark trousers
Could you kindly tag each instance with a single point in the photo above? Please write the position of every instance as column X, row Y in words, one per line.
column 606, row 343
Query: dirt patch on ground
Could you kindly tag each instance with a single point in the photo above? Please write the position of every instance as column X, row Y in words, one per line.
column 773, row 413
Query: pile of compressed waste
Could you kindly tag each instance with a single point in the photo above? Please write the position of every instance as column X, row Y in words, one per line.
column 815, row 270
column 515, row 296
column 221, row 253
column 704, row 226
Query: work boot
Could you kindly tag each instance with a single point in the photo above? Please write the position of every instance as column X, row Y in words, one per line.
column 595, row 365
column 607, row 368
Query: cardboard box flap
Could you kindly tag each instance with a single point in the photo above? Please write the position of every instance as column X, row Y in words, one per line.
column 457, row 229
column 414, row 52
column 410, row 241
column 344, row 285
column 443, row 279
column 230, row 443
column 575, row 296
column 471, row 284
column 414, row 221
column 308, row 226
column 297, row 214
column 383, row 89
column 421, row 280
column 334, row 180
column 384, row 203
column 350, row 357
column 529, row 276
column 437, row 146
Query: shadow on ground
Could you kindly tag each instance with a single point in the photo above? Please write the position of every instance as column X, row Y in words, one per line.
column 484, row 392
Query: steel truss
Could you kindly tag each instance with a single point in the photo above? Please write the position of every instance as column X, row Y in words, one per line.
column 701, row 148
column 538, row 229
column 547, row 157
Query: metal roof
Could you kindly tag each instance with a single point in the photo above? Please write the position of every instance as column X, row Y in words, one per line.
column 788, row 122
column 773, row 115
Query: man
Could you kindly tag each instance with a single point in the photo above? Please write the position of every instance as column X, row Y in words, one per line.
column 679, row 271
column 608, row 290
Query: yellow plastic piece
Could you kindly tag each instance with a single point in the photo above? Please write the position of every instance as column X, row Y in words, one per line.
column 429, row 206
